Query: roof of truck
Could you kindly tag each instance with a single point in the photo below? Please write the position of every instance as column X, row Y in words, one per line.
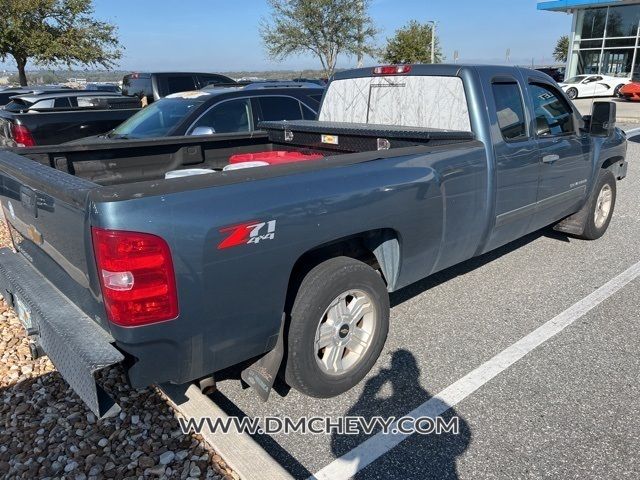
column 438, row 69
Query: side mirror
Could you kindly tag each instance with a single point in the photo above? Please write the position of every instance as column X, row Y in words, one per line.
column 202, row 131
column 603, row 119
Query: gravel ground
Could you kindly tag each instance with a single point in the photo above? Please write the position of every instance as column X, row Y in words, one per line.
column 47, row 432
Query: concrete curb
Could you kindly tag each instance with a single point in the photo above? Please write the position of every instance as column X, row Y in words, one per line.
column 239, row 451
column 628, row 120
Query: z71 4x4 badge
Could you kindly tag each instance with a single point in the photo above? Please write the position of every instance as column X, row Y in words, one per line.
column 247, row 234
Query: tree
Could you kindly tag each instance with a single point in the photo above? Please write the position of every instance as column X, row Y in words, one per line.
column 561, row 51
column 54, row 32
column 324, row 28
column 411, row 44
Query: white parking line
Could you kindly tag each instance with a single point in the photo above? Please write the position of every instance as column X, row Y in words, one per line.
column 376, row 446
column 633, row 132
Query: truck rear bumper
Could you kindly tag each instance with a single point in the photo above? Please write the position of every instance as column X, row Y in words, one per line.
column 76, row 345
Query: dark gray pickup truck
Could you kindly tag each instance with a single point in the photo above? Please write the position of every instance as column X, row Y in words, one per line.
column 280, row 253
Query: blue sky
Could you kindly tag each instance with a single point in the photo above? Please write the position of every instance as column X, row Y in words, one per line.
column 218, row 35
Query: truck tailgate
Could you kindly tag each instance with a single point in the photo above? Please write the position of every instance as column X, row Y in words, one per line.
column 47, row 279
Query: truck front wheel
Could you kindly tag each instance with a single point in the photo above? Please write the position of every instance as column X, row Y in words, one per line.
column 338, row 326
column 600, row 206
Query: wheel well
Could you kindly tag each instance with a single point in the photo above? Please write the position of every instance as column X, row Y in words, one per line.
column 615, row 165
column 379, row 249
column 610, row 161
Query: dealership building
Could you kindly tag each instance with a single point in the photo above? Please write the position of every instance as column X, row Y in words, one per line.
column 605, row 36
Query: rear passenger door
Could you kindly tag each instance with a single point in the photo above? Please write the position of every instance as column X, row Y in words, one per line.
column 563, row 154
column 517, row 159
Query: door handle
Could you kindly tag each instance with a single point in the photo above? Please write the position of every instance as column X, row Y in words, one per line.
column 550, row 158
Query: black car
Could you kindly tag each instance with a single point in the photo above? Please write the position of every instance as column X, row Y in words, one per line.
column 219, row 110
column 155, row 86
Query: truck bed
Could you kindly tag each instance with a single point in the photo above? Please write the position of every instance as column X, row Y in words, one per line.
column 132, row 161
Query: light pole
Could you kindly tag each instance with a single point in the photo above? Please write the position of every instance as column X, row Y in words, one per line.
column 360, row 27
column 433, row 40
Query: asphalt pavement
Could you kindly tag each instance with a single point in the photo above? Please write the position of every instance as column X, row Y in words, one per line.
column 567, row 409
column 626, row 111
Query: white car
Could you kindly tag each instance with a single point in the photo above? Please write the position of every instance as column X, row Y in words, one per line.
column 593, row 86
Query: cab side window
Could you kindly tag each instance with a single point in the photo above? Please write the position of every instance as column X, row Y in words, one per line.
column 552, row 112
column 510, row 111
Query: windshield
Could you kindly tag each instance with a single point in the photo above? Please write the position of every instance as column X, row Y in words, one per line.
column 158, row 119
column 577, row 79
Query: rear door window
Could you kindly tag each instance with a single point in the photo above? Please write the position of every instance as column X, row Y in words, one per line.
column 231, row 116
column 43, row 104
column 61, row 103
column 510, row 111
column 279, row 108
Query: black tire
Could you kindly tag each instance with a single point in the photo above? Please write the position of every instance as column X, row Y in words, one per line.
column 616, row 91
column 606, row 179
column 319, row 288
column 572, row 93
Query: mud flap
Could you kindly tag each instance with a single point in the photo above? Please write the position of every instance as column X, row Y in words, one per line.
column 261, row 374
column 75, row 344
column 574, row 224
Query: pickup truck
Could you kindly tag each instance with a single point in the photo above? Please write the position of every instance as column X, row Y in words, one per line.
column 286, row 268
column 52, row 118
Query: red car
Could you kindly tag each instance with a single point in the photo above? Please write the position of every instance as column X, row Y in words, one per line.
column 630, row 91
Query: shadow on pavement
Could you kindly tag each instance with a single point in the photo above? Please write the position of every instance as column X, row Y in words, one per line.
column 406, row 293
column 395, row 392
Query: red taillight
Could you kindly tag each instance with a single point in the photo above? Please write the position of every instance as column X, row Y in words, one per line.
column 22, row 136
column 136, row 275
column 392, row 70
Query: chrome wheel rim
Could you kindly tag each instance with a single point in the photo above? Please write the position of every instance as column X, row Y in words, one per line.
column 603, row 206
column 345, row 332
column 572, row 93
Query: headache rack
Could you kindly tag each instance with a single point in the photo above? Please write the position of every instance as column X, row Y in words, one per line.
column 357, row 137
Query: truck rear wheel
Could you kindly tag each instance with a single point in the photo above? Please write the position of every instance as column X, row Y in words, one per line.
column 601, row 205
column 339, row 324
